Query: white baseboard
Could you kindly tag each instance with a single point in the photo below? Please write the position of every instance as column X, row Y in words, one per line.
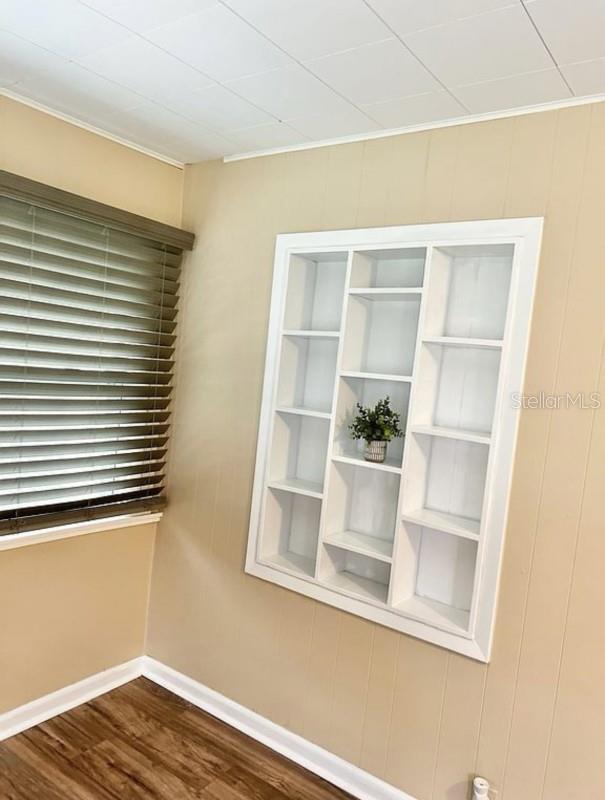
column 51, row 705
column 333, row 769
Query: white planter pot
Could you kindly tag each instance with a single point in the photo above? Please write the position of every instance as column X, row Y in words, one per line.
column 375, row 451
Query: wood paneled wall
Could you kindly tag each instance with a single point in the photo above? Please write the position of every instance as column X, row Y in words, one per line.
column 417, row 716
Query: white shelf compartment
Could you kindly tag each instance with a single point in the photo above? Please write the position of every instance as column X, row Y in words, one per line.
column 364, row 502
column 368, row 391
column 316, row 285
column 307, row 373
column 298, row 453
column 469, row 289
column 355, row 574
column 446, row 476
column 388, row 268
column 435, row 574
column 380, row 336
column 290, row 532
column 456, row 389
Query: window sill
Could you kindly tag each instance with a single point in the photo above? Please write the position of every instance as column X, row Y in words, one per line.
column 14, row 540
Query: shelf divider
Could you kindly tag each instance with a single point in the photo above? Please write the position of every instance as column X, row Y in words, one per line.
column 444, row 523
column 291, row 562
column 387, row 294
column 452, row 433
column 303, row 412
column 371, row 546
column 459, row 341
column 312, row 334
column 359, row 461
column 376, row 376
column 298, row 486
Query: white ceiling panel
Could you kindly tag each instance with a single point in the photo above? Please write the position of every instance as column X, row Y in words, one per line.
column 311, row 28
column 196, row 79
column 574, row 30
column 346, row 121
column 220, row 44
column 218, row 108
column 66, row 27
column 21, row 60
column 375, row 72
column 168, row 133
column 408, row 16
column 288, row 93
column 73, row 90
column 261, row 137
column 143, row 15
column 586, row 77
column 140, row 66
column 481, row 48
column 415, row 110
column 519, row 90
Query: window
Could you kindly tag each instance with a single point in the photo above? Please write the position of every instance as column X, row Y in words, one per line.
column 88, row 307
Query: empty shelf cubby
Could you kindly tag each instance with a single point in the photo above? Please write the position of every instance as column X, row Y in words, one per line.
column 315, row 292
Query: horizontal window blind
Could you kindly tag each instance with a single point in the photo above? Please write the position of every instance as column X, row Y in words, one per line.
column 87, row 333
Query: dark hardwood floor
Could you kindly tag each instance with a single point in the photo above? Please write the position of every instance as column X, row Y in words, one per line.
column 140, row 741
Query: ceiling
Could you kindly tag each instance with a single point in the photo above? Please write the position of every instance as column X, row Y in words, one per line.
column 200, row 79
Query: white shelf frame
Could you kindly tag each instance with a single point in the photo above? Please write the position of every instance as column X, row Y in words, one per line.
column 417, row 616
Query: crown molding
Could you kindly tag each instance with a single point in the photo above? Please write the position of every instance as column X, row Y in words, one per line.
column 468, row 119
column 78, row 123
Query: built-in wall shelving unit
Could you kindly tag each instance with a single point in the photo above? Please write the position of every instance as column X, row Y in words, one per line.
column 437, row 318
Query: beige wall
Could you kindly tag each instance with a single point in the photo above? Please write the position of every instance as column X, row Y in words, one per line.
column 71, row 608
column 47, row 149
column 420, row 717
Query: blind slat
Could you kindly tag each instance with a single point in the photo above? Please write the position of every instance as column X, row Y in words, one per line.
column 29, row 356
column 81, row 332
column 62, row 314
column 11, row 388
column 103, row 303
column 87, row 335
column 21, row 453
column 80, row 280
column 79, row 464
column 34, row 342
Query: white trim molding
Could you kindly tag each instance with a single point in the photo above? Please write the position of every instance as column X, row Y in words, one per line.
column 51, row 705
column 12, row 541
column 326, row 765
column 467, row 119
column 86, row 126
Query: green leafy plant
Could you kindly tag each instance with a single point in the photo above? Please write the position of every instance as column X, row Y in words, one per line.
column 378, row 424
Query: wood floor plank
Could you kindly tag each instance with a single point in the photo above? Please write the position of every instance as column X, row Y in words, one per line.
column 131, row 775
column 59, row 770
column 140, row 742
column 19, row 782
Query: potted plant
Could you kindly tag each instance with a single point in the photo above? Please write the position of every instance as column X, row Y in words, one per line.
column 376, row 426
